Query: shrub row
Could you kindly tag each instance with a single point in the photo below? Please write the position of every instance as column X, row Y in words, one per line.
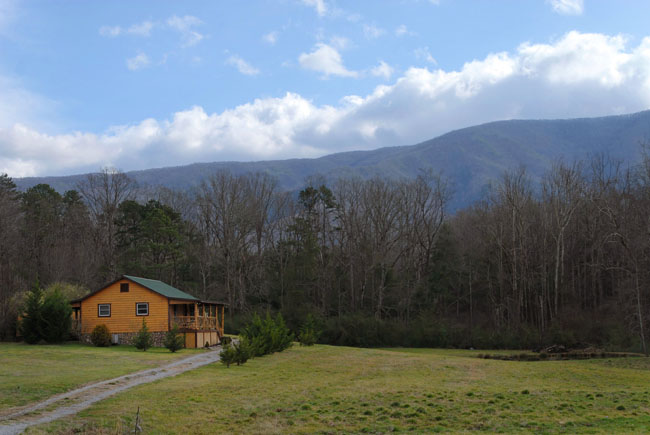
column 101, row 336
column 260, row 337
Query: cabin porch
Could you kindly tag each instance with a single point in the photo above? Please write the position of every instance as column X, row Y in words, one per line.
column 200, row 322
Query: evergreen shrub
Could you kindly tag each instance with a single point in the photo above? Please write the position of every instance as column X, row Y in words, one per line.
column 143, row 339
column 309, row 333
column 267, row 336
column 227, row 355
column 31, row 324
column 56, row 314
column 45, row 316
column 100, row 336
column 173, row 340
column 235, row 352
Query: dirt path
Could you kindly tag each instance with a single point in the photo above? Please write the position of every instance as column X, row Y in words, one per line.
column 63, row 405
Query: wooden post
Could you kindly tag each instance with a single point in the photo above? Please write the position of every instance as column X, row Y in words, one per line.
column 222, row 320
column 196, row 315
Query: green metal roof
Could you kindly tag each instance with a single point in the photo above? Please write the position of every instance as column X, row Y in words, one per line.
column 161, row 288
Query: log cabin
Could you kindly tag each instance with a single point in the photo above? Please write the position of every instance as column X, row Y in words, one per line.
column 122, row 304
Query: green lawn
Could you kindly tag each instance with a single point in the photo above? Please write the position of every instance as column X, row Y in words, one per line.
column 326, row 389
column 30, row 373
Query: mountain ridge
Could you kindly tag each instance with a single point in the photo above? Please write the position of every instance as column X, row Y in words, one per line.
column 470, row 157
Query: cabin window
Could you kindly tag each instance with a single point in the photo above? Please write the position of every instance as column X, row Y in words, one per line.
column 124, row 287
column 104, row 310
column 142, row 309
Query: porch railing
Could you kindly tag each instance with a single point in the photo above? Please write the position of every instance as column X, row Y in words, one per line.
column 191, row 322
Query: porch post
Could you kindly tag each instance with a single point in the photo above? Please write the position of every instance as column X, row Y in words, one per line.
column 222, row 320
column 196, row 315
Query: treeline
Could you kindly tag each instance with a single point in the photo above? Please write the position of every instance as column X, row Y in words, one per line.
column 564, row 259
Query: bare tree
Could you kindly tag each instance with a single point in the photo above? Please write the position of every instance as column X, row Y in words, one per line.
column 563, row 191
column 103, row 193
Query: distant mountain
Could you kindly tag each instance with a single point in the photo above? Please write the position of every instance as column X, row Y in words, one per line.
column 469, row 157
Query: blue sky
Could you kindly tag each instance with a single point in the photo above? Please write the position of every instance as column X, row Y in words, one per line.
column 143, row 84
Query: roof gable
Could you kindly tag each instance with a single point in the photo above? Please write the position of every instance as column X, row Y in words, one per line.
column 161, row 288
column 151, row 284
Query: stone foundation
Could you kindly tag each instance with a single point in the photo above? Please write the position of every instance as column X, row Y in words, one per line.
column 127, row 338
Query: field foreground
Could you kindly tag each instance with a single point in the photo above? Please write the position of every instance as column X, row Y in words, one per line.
column 30, row 374
column 334, row 389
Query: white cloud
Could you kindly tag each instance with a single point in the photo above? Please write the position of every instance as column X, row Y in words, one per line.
column 270, row 38
column 578, row 75
column 423, row 53
column 567, row 7
column 110, row 31
column 32, row 152
column 266, row 128
column 382, row 70
column 327, row 60
column 339, row 42
column 186, row 27
column 20, row 105
column 138, row 61
column 372, row 32
column 140, row 29
column 402, row 30
column 320, row 6
column 241, row 65
column 353, row 18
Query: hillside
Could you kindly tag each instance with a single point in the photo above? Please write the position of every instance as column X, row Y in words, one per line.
column 469, row 157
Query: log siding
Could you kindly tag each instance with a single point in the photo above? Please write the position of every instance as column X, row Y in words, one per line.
column 123, row 316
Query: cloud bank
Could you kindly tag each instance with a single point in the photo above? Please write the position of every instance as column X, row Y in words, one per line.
column 578, row 75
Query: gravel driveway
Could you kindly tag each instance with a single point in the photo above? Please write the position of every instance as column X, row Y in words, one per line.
column 81, row 398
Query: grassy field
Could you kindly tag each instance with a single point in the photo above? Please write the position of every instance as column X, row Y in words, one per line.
column 32, row 373
column 334, row 389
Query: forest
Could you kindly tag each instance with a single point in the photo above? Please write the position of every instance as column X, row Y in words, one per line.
column 564, row 259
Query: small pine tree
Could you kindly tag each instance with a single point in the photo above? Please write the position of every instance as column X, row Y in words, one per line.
column 282, row 337
column 101, row 336
column 242, row 352
column 237, row 353
column 31, row 324
column 255, row 334
column 227, row 355
column 143, row 339
column 309, row 333
column 173, row 340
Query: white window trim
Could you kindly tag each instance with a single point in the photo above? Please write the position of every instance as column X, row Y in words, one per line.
column 137, row 310
column 99, row 310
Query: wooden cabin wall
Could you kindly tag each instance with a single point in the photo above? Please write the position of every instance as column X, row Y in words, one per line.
column 123, row 317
